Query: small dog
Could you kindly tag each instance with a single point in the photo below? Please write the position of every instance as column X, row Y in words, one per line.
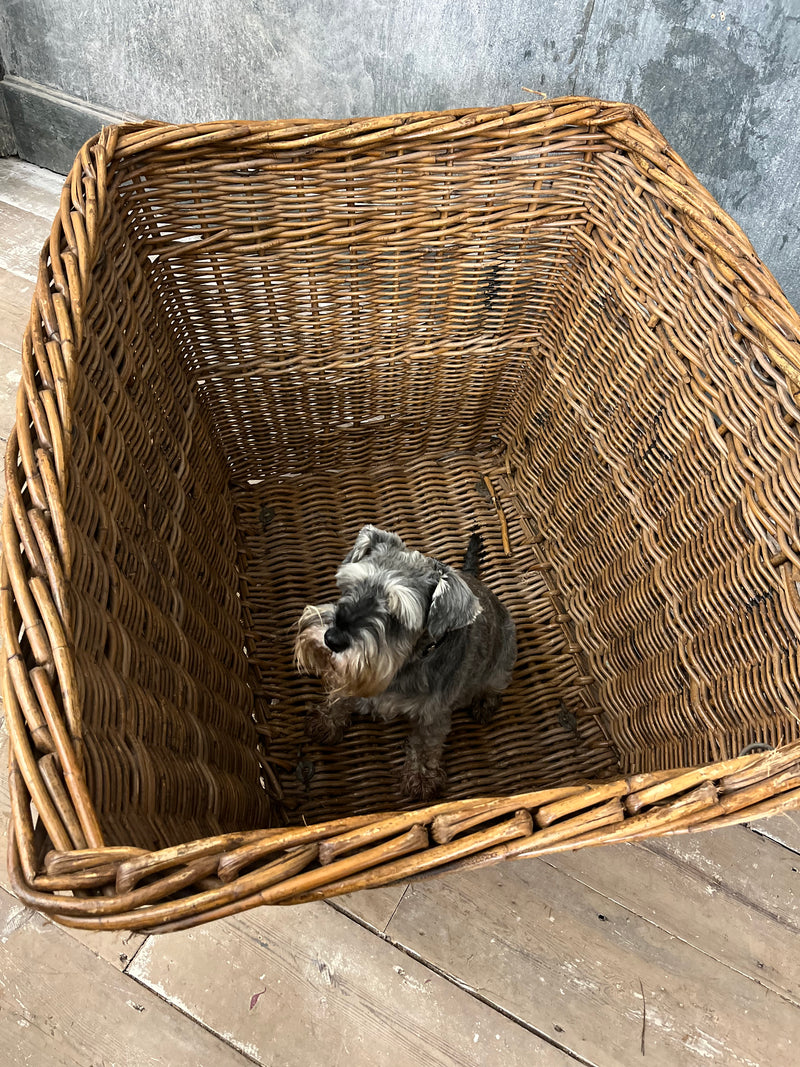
column 408, row 637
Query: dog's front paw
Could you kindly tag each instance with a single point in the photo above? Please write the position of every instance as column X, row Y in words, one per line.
column 325, row 725
column 422, row 781
column 484, row 708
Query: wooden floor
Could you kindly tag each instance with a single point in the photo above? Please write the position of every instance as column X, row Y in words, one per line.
column 681, row 951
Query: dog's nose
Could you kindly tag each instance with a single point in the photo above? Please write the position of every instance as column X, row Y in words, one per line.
column 336, row 640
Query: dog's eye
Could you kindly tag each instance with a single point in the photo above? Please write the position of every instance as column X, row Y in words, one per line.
column 405, row 606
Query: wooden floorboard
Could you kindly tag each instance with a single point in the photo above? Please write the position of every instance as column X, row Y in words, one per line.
column 25, row 235
column 9, row 381
column 373, row 907
column 760, row 874
column 28, row 202
column 308, row 985
column 15, row 303
column 784, row 829
column 15, row 307
column 725, row 895
column 61, row 1005
column 30, row 188
column 575, row 964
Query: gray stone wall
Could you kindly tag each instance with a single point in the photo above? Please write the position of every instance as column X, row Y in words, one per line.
column 8, row 144
column 721, row 82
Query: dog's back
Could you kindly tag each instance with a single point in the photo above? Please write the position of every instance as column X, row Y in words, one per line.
column 490, row 644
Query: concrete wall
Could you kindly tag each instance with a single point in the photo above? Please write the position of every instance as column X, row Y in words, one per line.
column 722, row 83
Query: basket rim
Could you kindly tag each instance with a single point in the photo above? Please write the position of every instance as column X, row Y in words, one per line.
column 303, row 864
column 37, row 565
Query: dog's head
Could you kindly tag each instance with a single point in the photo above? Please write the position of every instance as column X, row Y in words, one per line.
column 390, row 597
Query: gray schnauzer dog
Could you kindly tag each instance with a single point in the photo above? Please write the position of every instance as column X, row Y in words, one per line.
column 409, row 637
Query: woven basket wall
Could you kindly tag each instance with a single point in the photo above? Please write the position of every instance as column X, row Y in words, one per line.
column 246, row 341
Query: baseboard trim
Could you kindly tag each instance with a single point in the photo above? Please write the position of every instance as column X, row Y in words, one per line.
column 50, row 126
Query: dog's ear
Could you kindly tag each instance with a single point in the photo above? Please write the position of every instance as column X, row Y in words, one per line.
column 369, row 538
column 453, row 605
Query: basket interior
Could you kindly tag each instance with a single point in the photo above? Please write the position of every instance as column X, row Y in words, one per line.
column 282, row 346
column 541, row 733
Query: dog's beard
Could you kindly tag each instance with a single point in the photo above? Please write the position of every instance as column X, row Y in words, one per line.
column 311, row 654
column 364, row 669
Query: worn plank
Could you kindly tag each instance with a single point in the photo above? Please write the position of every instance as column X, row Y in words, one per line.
column 745, row 930
column 5, row 804
column 761, row 874
column 15, row 302
column 23, row 235
column 785, row 829
column 10, row 377
column 307, row 985
column 576, row 965
column 375, row 907
column 15, row 305
column 61, row 1005
column 30, row 188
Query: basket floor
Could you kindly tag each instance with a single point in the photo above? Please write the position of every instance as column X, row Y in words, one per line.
column 294, row 532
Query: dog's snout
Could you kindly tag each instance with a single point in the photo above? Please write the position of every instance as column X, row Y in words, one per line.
column 336, row 640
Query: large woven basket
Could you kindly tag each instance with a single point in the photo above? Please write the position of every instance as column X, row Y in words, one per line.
column 249, row 339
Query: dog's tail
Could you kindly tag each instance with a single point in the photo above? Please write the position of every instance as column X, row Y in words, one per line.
column 472, row 559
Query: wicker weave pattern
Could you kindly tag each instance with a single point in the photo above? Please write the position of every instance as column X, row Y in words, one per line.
column 247, row 340
column 147, row 591
column 658, row 466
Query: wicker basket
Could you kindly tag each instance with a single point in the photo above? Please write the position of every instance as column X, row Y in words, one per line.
column 249, row 339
